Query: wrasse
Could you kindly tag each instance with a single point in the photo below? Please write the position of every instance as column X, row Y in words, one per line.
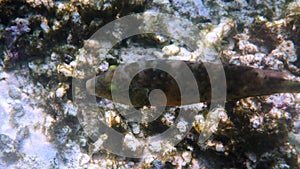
column 240, row 82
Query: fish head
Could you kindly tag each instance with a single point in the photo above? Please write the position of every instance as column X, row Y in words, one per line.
column 100, row 85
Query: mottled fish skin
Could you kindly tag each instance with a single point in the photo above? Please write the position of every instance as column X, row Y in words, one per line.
column 241, row 82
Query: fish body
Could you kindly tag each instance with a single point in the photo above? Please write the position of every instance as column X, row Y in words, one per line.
column 241, row 82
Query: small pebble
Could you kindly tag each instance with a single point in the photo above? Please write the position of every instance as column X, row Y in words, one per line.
column 171, row 50
column 61, row 91
column 219, row 147
column 14, row 92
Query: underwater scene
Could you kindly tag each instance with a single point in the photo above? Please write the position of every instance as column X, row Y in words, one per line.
column 158, row 84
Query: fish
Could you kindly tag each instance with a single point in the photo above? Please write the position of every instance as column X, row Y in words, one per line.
column 240, row 82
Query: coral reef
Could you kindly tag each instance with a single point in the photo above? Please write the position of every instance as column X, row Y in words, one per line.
column 45, row 43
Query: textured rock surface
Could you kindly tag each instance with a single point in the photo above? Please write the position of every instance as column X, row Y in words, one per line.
column 41, row 43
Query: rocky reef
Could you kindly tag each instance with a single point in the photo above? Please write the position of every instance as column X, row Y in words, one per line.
column 46, row 44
